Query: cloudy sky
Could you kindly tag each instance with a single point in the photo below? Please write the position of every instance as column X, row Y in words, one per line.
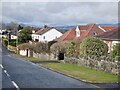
column 60, row 13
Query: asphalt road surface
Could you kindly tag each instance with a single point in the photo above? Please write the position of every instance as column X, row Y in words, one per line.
column 19, row 74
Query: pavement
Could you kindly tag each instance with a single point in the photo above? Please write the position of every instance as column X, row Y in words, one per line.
column 18, row 74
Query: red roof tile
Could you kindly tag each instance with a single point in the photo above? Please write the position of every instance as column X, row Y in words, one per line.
column 85, row 31
column 91, row 29
column 67, row 36
column 113, row 34
column 108, row 28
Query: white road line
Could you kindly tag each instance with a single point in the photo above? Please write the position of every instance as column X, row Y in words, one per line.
column 1, row 66
column 7, row 73
column 16, row 86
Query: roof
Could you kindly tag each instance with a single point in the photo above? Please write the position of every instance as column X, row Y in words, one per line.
column 69, row 35
column 113, row 34
column 43, row 30
column 82, row 27
column 90, row 29
column 36, row 29
column 108, row 28
column 85, row 31
column 24, row 46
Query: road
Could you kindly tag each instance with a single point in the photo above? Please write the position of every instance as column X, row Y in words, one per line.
column 17, row 73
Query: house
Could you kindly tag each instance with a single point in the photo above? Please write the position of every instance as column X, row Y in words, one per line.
column 13, row 35
column 34, row 30
column 81, row 32
column 2, row 31
column 111, row 37
column 46, row 34
column 24, row 50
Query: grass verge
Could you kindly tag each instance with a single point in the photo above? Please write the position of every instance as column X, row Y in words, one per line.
column 80, row 72
column 84, row 73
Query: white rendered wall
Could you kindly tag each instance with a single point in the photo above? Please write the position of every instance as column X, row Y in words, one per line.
column 50, row 35
column 23, row 52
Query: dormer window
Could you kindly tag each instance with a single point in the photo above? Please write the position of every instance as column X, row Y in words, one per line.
column 77, row 31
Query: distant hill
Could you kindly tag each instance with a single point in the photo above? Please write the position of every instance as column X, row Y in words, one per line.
column 72, row 26
column 64, row 27
column 109, row 24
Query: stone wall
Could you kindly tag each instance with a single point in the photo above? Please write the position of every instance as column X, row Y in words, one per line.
column 103, row 63
column 44, row 56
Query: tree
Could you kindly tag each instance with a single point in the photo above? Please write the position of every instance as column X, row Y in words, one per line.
column 41, row 47
column 93, row 47
column 20, row 27
column 12, row 26
column 116, row 50
column 25, row 35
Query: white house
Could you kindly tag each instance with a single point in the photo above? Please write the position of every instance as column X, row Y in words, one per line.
column 13, row 36
column 46, row 34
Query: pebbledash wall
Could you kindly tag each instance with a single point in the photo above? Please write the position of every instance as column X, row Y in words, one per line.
column 103, row 63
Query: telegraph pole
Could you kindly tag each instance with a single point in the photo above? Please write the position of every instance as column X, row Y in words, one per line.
column 16, row 40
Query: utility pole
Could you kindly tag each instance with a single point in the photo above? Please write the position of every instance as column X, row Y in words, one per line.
column 8, row 38
column 16, row 40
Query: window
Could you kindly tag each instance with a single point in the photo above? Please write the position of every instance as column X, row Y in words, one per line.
column 43, row 37
column 94, row 33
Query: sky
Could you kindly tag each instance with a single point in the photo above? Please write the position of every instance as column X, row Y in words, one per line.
column 60, row 13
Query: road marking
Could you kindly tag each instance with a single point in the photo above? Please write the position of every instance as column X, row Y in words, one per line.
column 1, row 66
column 16, row 86
column 7, row 73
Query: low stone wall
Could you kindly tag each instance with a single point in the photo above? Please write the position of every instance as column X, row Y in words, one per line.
column 44, row 56
column 104, row 63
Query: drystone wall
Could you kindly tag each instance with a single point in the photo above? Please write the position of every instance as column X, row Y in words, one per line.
column 110, row 65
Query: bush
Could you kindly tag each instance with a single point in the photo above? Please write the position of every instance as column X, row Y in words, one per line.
column 12, row 42
column 4, row 41
column 59, row 47
column 71, row 49
column 41, row 47
column 12, row 48
column 93, row 47
column 116, row 50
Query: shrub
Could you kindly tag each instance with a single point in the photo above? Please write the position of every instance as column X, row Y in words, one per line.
column 93, row 47
column 12, row 48
column 59, row 47
column 4, row 41
column 12, row 42
column 71, row 49
column 41, row 47
column 116, row 50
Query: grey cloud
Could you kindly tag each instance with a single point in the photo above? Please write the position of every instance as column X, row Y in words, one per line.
column 61, row 12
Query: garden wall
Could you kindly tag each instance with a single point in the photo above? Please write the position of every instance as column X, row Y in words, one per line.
column 44, row 56
column 103, row 63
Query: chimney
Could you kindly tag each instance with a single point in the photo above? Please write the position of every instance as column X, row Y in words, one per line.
column 45, row 26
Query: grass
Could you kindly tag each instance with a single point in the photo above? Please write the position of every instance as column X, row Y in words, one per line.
column 80, row 72
column 84, row 73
